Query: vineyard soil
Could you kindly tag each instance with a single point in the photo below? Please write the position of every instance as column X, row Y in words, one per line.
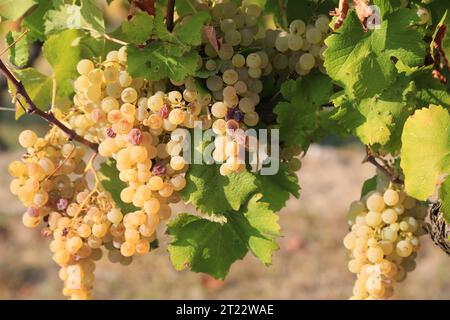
column 310, row 265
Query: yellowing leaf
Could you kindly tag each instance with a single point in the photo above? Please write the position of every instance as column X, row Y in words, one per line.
column 426, row 150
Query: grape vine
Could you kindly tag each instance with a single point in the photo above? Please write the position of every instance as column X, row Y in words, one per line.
column 125, row 106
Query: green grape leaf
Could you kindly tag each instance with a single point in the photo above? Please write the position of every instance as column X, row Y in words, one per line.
column 137, row 30
column 257, row 227
column 35, row 20
column 93, row 48
column 361, row 61
column 211, row 247
column 204, row 246
column 369, row 185
column 386, row 6
column 92, row 16
column 378, row 121
column 425, row 150
column 38, row 86
column 19, row 53
column 384, row 118
column 184, row 35
column 13, row 9
column 306, row 9
column 185, row 7
column 444, row 196
column 298, row 117
column 88, row 16
column 109, row 178
column 277, row 188
column 428, row 90
column 211, row 192
column 160, row 60
column 62, row 51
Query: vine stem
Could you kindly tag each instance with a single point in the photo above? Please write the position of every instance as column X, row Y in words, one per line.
column 49, row 117
column 372, row 160
column 169, row 14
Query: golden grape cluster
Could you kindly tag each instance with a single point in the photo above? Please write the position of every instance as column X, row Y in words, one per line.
column 383, row 241
column 143, row 127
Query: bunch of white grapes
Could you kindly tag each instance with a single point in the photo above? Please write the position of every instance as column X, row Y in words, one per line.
column 383, row 241
column 145, row 133
column 143, row 126
column 247, row 52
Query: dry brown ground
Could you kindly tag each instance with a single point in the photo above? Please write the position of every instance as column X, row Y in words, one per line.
column 310, row 265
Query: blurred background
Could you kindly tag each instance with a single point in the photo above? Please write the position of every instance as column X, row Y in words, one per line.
column 311, row 262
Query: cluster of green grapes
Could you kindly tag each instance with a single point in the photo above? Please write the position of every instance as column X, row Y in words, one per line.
column 248, row 51
column 383, row 241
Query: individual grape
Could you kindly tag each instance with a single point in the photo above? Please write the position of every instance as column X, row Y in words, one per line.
column 176, row 116
column 175, row 97
column 282, row 42
column 155, row 183
column 128, row 249
column 253, row 60
column 389, row 216
column 255, row 73
column 307, row 61
column 295, row 42
column 251, row 119
column 229, row 93
column 85, row 66
column 280, row 61
column 322, row 24
column 240, row 87
column 230, row 77
column 74, row 244
column 190, row 95
column 211, row 65
column 110, row 74
column 178, row 182
column 375, row 254
column 238, row 60
column 297, row 27
column 226, row 52
column 247, row 37
column 61, row 257
column 404, row 248
column 27, row 138
column 219, row 110
column 227, row 25
column 124, row 79
column 295, row 164
column 129, row 95
column 313, row 35
column 375, row 202
column 214, row 83
column 177, row 163
column 233, row 37
column 391, row 197
column 373, row 218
